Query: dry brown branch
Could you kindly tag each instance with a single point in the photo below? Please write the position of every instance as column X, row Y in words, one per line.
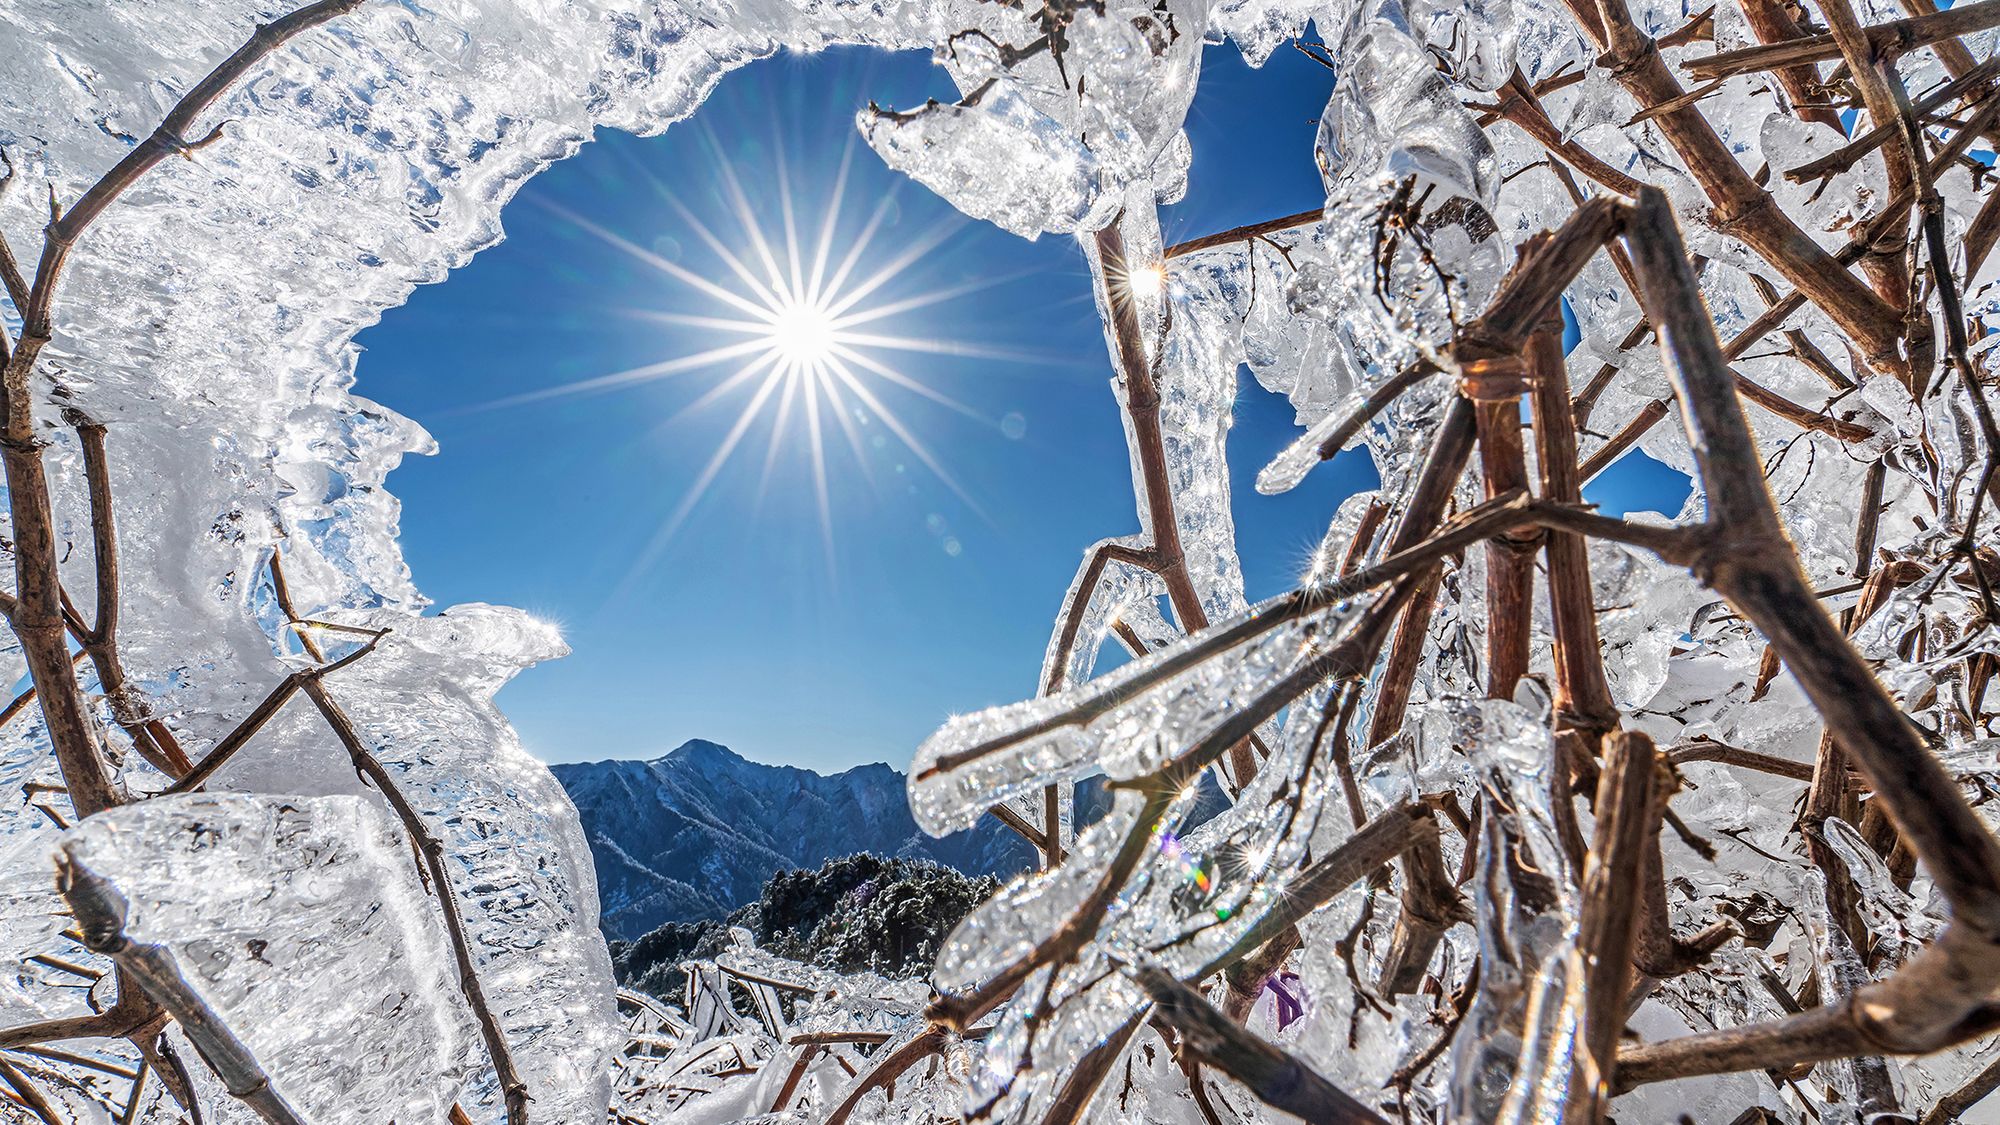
column 1583, row 694
column 1278, row 1079
column 1495, row 387
column 1742, row 209
column 1711, row 751
column 1773, row 23
column 1844, row 157
column 1608, row 929
column 1519, row 105
column 1245, row 233
column 28, row 1094
column 1618, row 444
column 1884, row 41
column 1938, row 997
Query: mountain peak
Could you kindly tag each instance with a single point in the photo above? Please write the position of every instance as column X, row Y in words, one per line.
column 701, row 750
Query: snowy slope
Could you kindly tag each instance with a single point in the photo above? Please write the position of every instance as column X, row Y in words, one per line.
column 696, row 833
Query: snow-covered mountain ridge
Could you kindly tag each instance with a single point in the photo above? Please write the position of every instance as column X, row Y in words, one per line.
column 695, row 833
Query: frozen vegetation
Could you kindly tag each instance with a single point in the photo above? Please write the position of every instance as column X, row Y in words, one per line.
column 1539, row 815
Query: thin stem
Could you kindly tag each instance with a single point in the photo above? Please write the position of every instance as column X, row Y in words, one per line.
column 1278, row 1079
column 431, row 851
column 1885, row 41
column 1245, row 233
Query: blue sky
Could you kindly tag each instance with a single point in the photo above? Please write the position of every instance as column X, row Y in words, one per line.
column 753, row 624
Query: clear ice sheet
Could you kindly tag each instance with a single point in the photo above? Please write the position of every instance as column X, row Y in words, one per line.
column 302, row 923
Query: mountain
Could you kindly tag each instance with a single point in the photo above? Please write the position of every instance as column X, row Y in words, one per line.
column 696, row 833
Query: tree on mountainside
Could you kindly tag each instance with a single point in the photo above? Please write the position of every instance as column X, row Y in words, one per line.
column 858, row 913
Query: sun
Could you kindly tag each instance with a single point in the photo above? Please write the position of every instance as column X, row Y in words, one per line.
column 799, row 319
column 803, row 334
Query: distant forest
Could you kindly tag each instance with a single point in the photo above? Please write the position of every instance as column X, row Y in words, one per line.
column 856, row 913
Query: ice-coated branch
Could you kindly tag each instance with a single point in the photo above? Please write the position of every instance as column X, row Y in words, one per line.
column 1747, row 561
column 1844, row 157
column 1247, row 233
column 1142, row 404
column 1712, row 751
column 1402, row 827
column 151, row 737
column 1278, row 1079
column 169, row 138
column 100, row 916
column 886, row 1067
column 29, row 1094
column 1048, row 838
column 1518, row 104
column 431, row 853
column 266, row 710
column 1948, row 1109
column 1938, row 997
column 1742, row 209
column 123, row 1018
column 1884, row 41
column 1092, row 701
column 37, row 615
column 1085, row 1079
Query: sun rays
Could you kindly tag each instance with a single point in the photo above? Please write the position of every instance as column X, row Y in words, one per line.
column 796, row 319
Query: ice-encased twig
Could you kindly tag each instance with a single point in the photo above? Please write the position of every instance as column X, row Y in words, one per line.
column 100, row 916
column 1278, row 1079
column 431, row 851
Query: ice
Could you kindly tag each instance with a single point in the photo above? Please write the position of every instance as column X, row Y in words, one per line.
column 303, row 924
column 1125, row 724
column 1515, row 1056
column 1120, row 589
column 423, row 699
column 996, row 161
column 1052, row 134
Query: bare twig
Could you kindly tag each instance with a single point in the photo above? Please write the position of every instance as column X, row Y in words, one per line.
column 1278, row 1079
column 1609, row 925
column 431, row 852
column 1246, row 233
column 1885, row 41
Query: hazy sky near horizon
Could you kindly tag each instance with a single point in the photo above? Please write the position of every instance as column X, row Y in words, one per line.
column 741, row 613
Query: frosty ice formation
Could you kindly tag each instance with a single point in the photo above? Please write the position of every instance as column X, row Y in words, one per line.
column 1539, row 815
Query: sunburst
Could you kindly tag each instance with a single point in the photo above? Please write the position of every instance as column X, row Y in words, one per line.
column 801, row 328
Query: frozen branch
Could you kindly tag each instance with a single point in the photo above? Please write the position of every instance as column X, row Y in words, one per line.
column 100, row 915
